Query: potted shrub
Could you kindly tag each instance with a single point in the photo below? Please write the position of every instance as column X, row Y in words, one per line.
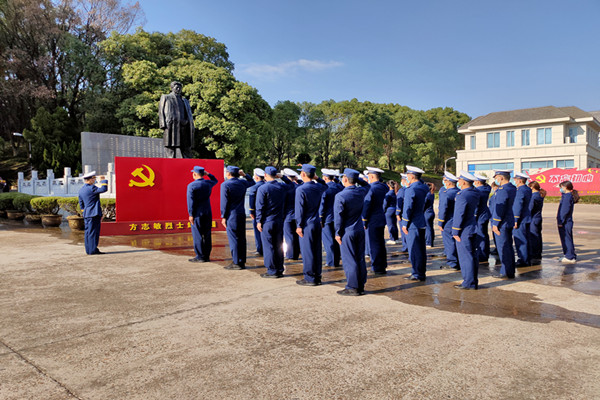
column 71, row 205
column 7, row 206
column 48, row 208
column 22, row 203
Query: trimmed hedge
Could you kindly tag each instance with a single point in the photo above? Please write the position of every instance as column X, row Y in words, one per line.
column 6, row 200
column 45, row 205
column 23, row 202
column 70, row 205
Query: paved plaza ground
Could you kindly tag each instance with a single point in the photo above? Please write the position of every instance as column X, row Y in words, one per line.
column 141, row 322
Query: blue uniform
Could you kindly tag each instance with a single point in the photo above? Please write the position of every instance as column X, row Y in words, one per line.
column 89, row 202
column 289, row 225
column 564, row 220
column 347, row 211
column 399, row 208
column 503, row 218
column 252, row 208
column 483, row 221
column 464, row 225
column 270, row 199
column 374, row 220
column 429, row 217
column 535, row 229
column 332, row 247
column 445, row 215
column 233, row 195
column 308, row 201
column 413, row 218
column 492, row 204
column 198, row 203
column 523, row 219
column 389, row 206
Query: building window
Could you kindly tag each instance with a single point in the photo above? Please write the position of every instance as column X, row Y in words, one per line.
column 493, row 140
column 525, row 137
column 544, row 136
column 573, row 135
column 527, row 165
column 510, row 138
column 490, row 166
column 565, row 164
column 473, row 142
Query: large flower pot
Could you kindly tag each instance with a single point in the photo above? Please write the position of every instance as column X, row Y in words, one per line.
column 16, row 215
column 51, row 220
column 33, row 218
column 76, row 222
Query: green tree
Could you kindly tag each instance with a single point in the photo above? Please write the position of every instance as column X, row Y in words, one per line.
column 285, row 133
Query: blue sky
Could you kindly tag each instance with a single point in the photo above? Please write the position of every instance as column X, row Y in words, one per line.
column 475, row 56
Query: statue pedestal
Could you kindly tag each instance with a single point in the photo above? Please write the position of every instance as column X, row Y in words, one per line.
column 151, row 195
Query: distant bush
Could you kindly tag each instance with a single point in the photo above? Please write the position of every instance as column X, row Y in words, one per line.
column 22, row 202
column 45, row 205
column 108, row 208
column 6, row 200
column 70, row 205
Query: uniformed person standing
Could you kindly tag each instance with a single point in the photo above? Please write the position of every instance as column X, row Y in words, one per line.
column 350, row 233
column 464, row 228
column 483, row 218
column 399, row 208
column 374, row 220
column 445, row 214
column 200, row 214
column 535, row 229
column 259, row 178
column 308, row 222
column 389, row 205
column 429, row 215
column 233, row 195
column 89, row 202
column 413, row 222
column 522, row 220
column 332, row 247
column 503, row 221
column 289, row 226
column 270, row 199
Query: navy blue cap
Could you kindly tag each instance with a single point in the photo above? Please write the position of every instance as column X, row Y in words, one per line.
column 309, row 169
column 197, row 169
column 271, row 171
column 351, row 173
column 232, row 169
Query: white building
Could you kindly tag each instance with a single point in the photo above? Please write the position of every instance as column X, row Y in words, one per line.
column 532, row 138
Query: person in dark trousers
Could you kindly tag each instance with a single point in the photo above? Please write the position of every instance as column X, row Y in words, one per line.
column 503, row 221
column 200, row 214
column 399, row 208
column 491, row 205
column 522, row 220
column 89, row 202
column 413, row 222
column 464, row 228
column 564, row 221
column 233, row 214
column 389, row 205
column 429, row 215
column 374, row 220
column 291, row 238
column 350, row 233
column 483, row 218
column 332, row 247
column 308, row 222
column 445, row 215
column 259, row 178
column 536, row 206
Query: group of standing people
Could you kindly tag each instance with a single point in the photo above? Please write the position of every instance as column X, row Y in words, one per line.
column 346, row 215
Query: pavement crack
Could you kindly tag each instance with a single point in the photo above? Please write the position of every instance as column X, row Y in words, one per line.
column 39, row 369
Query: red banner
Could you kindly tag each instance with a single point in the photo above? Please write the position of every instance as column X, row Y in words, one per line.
column 586, row 182
column 151, row 194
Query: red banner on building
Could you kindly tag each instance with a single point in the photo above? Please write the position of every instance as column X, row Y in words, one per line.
column 586, row 182
column 151, row 194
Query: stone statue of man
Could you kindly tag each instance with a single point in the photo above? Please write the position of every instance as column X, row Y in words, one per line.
column 175, row 117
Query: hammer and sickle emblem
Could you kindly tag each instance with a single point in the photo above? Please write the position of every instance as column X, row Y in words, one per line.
column 541, row 178
column 147, row 180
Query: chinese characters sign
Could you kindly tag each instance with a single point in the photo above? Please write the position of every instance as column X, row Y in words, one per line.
column 586, row 182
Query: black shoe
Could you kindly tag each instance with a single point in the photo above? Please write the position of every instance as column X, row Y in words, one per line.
column 522, row 265
column 349, row 292
column 304, row 282
column 273, row 276
column 446, row 266
column 414, row 278
column 233, row 266
column 502, row 276
column 197, row 260
column 461, row 287
column 99, row 252
column 377, row 273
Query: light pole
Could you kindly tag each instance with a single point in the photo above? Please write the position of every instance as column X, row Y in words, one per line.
column 446, row 161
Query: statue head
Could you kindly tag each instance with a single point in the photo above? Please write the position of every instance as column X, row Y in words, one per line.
column 176, row 88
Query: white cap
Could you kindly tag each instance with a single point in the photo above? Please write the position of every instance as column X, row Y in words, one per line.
column 522, row 175
column 89, row 175
column 450, row 177
column 289, row 172
column 259, row 172
column 337, row 172
column 403, row 176
column 374, row 170
column 467, row 176
column 328, row 172
column 362, row 176
column 414, row 170
column 480, row 177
